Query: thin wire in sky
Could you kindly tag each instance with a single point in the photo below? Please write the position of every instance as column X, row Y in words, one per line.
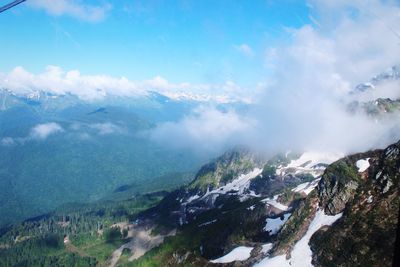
column 10, row 5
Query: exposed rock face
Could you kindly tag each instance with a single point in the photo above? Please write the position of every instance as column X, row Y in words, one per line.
column 182, row 205
column 388, row 173
column 365, row 235
column 363, row 187
column 337, row 186
column 381, row 106
column 225, row 168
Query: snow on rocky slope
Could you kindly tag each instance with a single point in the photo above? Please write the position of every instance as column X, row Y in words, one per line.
column 301, row 255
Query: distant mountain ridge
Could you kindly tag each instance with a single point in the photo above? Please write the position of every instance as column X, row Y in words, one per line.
column 45, row 98
column 391, row 74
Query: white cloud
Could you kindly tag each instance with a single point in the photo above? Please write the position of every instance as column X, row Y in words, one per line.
column 245, row 49
column 364, row 35
column 92, row 87
column 74, row 8
column 7, row 141
column 303, row 104
column 106, row 128
column 42, row 131
column 58, row 81
column 205, row 130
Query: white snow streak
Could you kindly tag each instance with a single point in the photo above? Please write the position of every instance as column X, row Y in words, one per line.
column 309, row 159
column 273, row 202
column 237, row 254
column 306, row 188
column 207, row 223
column 301, row 254
column 274, row 225
column 362, row 165
column 238, row 186
column 266, row 247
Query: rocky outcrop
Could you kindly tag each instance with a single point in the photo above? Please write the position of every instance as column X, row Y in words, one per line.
column 388, row 172
column 337, row 186
column 362, row 188
column 226, row 168
column 366, row 233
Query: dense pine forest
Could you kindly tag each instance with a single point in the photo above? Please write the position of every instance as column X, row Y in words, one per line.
column 39, row 241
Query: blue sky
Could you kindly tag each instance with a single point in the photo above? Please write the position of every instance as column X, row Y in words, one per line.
column 181, row 41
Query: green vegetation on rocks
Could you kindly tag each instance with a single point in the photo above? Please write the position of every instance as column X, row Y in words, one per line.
column 365, row 235
column 225, row 168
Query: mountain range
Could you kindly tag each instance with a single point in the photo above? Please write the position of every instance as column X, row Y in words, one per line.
column 84, row 185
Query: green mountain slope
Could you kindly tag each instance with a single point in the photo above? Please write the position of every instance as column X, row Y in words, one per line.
column 97, row 150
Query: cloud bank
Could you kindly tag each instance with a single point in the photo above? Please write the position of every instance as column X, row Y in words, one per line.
column 39, row 132
column 83, row 131
column 205, row 130
column 56, row 80
column 73, row 8
column 303, row 107
column 94, row 87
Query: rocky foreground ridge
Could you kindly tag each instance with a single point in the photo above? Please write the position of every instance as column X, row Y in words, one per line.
column 341, row 214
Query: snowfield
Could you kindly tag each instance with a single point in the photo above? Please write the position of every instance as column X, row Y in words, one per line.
column 306, row 188
column 309, row 159
column 273, row 202
column 309, row 162
column 362, row 165
column 274, row 225
column 237, row 186
column 266, row 247
column 237, row 254
column 192, row 198
column 301, row 254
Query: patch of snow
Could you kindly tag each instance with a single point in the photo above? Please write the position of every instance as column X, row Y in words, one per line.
column 237, row 186
column 306, row 188
column 266, row 248
column 362, row 164
column 237, row 254
column 253, row 194
column 309, row 159
column 192, row 198
column 370, row 199
column 274, row 225
column 300, row 187
column 308, row 163
column 251, row 207
column 301, row 254
column 207, row 223
column 275, row 204
column 387, row 186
